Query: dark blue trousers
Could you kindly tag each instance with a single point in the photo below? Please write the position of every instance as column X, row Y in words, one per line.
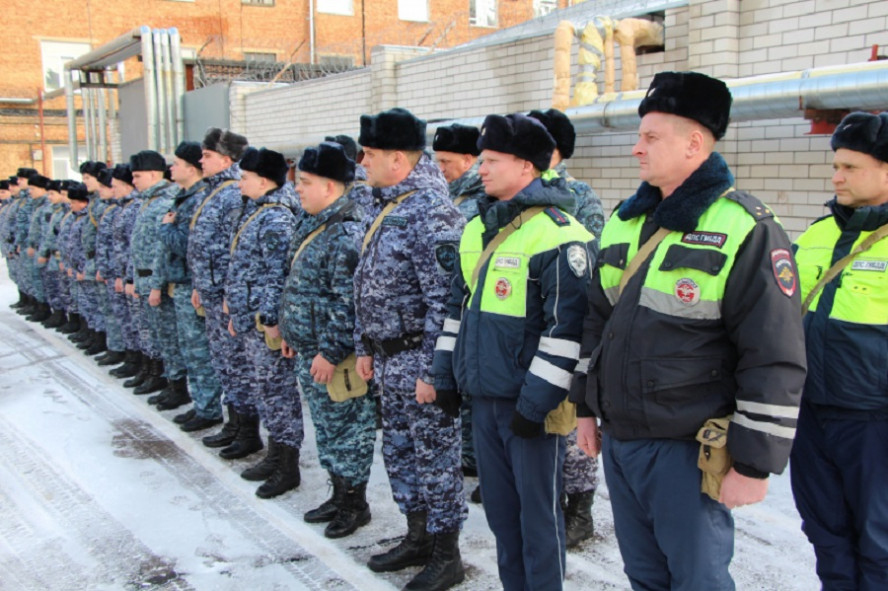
column 839, row 470
column 672, row 537
column 521, row 484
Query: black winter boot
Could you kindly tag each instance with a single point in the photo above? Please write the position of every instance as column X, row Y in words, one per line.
column 73, row 324
column 326, row 511
column 196, row 423
column 246, row 441
column 354, row 512
column 20, row 302
column 131, row 362
column 28, row 307
column 155, row 382
column 285, row 477
column 87, row 341
column 99, row 344
column 142, row 372
column 414, row 550
column 41, row 312
column 178, row 397
column 267, row 466
column 111, row 358
column 227, row 434
column 184, row 417
column 444, row 569
column 57, row 320
column 578, row 524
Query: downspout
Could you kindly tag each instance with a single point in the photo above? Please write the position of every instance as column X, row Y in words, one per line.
column 103, row 130
column 160, row 86
column 72, row 117
column 150, row 86
column 42, row 128
column 86, row 103
column 167, row 71
column 311, row 32
column 178, row 85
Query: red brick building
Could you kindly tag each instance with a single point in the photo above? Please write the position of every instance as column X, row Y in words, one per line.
column 39, row 39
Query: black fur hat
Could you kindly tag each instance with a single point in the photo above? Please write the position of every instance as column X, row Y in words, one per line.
column 517, row 134
column 347, row 143
column 266, row 163
column 395, row 129
column 147, row 160
column 4, row 185
column 190, row 152
column 461, row 139
column 77, row 192
column 328, row 160
column 123, row 172
column 13, row 179
column 225, row 142
column 92, row 168
column 24, row 173
column 560, row 128
column 863, row 132
column 38, row 180
column 692, row 95
column 55, row 185
column 104, row 177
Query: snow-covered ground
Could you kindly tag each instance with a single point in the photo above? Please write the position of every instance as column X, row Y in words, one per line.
column 100, row 491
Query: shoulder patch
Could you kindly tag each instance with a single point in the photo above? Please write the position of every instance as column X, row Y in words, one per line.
column 751, row 204
column 784, row 271
column 445, row 256
column 557, row 216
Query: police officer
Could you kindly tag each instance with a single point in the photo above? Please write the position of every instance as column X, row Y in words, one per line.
column 839, row 458
column 90, row 295
column 20, row 224
column 317, row 323
column 47, row 257
column 456, row 151
column 358, row 190
column 112, row 338
column 401, row 285
column 206, row 390
column 256, row 274
column 704, row 327
column 38, row 185
column 511, row 341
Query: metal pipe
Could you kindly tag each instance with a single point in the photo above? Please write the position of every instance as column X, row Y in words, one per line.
column 18, row 101
column 42, row 128
column 168, row 93
column 311, row 32
column 85, row 101
column 178, row 85
column 103, row 124
column 150, row 86
column 112, row 117
column 160, row 97
column 110, row 53
column 72, row 117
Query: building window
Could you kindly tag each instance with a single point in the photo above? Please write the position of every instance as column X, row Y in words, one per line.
column 413, row 10
column 55, row 55
column 335, row 7
column 544, row 7
column 483, row 13
column 257, row 57
column 258, row 2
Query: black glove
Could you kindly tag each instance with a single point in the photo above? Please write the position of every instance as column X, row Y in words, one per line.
column 449, row 401
column 525, row 428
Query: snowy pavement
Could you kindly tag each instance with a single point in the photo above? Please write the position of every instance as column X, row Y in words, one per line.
column 100, row 491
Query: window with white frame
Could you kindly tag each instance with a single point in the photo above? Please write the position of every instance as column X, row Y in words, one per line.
column 413, row 10
column 483, row 13
column 55, row 55
column 335, row 7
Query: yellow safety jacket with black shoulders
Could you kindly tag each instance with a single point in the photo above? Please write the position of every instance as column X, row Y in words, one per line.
column 846, row 327
column 708, row 326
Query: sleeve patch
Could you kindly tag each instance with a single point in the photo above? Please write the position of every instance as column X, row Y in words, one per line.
column 784, row 273
column 445, row 255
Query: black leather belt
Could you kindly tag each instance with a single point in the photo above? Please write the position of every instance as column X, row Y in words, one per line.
column 389, row 347
column 144, row 272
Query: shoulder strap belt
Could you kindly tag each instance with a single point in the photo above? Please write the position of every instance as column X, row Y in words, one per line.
column 203, row 203
column 243, row 227
column 385, row 211
column 507, row 231
column 837, row 268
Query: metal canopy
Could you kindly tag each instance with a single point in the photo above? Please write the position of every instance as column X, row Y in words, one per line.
column 111, row 53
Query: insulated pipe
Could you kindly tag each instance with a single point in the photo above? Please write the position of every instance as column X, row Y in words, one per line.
column 125, row 44
column 103, row 124
column 150, row 86
column 311, row 32
column 18, row 101
column 178, row 86
column 72, row 116
column 159, row 67
column 168, row 93
column 85, row 101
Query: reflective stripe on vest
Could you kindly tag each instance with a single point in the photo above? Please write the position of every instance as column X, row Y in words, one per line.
column 505, row 284
column 862, row 293
column 691, row 269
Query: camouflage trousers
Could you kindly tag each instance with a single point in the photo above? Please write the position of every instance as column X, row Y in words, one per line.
column 580, row 471
column 35, row 272
column 113, row 330
column 420, row 446
column 88, row 303
column 146, row 344
column 345, row 431
column 228, row 357
column 206, row 391
column 129, row 330
column 162, row 324
column 52, row 286
column 73, row 294
column 275, row 392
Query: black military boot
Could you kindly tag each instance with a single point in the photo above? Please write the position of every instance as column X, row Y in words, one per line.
column 227, row 434
column 141, row 373
column 285, row 477
column 28, row 307
column 354, row 512
column 414, row 550
column 41, row 312
column 161, row 396
column 444, row 569
column 155, row 382
column 196, row 423
column 246, row 441
column 99, row 344
column 73, row 324
column 267, row 466
column 111, row 358
column 131, row 363
column 56, row 320
column 578, row 524
column 326, row 511
column 87, row 341
column 178, row 397
column 181, row 419
column 20, row 302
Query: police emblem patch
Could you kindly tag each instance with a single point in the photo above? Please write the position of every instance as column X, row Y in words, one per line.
column 445, row 255
column 784, row 273
column 687, row 291
column 503, row 288
column 577, row 259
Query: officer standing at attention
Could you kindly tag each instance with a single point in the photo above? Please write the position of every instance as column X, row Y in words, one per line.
column 456, row 151
column 512, row 340
column 840, row 457
column 401, row 285
column 700, row 322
